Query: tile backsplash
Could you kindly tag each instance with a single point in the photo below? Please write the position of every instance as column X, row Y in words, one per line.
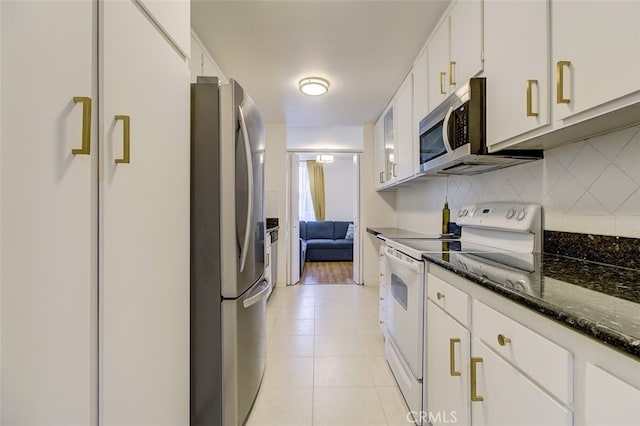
column 591, row 186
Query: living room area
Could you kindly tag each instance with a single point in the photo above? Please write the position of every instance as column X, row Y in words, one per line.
column 327, row 204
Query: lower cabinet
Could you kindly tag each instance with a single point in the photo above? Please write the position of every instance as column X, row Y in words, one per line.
column 471, row 381
column 609, row 399
column 502, row 395
column 382, row 311
column 448, row 350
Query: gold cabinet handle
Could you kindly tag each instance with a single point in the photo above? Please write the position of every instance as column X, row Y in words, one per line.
column 86, row 125
column 442, row 78
column 503, row 340
column 452, row 65
column 474, row 381
column 393, row 170
column 125, row 139
column 381, row 177
column 530, row 112
column 452, row 357
column 560, row 82
column 440, row 296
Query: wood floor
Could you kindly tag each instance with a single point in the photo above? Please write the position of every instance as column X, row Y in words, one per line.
column 327, row 273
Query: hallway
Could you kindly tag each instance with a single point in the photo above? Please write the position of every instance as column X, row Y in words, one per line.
column 325, row 360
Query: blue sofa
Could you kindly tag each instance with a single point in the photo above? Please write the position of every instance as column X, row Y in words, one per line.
column 324, row 241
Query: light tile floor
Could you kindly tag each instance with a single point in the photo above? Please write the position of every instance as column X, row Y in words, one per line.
column 325, row 361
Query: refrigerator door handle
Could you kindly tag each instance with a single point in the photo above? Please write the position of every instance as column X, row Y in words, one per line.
column 262, row 294
column 247, row 151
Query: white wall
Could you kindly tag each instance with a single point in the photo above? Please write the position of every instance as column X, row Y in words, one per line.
column 339, row 188
column 275, row 186
column 334, row 138
column 591, row 186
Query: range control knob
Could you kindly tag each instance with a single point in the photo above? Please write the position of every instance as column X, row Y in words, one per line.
column 521, row 215
column 509, row 214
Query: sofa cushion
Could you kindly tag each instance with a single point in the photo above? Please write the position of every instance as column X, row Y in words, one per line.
column 343, row 243
column 321, row 243
column 340, row 229
column 320, row 230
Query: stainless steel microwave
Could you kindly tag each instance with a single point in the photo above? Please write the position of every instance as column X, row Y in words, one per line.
column 453, row 137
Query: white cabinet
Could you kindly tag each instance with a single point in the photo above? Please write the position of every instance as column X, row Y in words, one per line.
column 420, row 94
column 389, row 143
column 465, row 59
column 502, row 395
column 405, row 164
column 455, row 50
column 596, row 59
column 144, row 227
column 49, row 281
column 516, row 53
column 174, row 18
column 610, row 400
column 380, row 176
column 382, row 307
column 448, row 349
column 95, row 255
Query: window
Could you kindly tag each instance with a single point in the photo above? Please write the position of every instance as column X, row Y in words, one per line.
column 305, row 207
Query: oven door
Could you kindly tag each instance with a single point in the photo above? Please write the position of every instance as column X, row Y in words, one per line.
column 405, row 304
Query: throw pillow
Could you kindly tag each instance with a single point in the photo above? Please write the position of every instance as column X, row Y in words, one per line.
column 349, row 235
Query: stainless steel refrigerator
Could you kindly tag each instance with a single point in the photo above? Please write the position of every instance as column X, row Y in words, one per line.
column 228, row 285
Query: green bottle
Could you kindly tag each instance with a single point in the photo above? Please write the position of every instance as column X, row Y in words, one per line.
column 445, row 217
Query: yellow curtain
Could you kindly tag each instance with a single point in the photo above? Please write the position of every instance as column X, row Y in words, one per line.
column 316, row 187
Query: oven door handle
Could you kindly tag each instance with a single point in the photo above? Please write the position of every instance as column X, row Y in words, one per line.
column 415, row 266
column 445, row 131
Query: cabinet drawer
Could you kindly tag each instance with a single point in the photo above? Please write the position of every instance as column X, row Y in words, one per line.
column 548, row 364
column 449, row 298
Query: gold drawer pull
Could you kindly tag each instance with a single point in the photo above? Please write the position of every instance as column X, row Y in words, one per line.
column 381, row 177
column 440, row 296
column 503, row 340
column 86, row 125
column 530, row 112
column 560, row 82
column 474, row 392
column 452, row 357
column 126, row 141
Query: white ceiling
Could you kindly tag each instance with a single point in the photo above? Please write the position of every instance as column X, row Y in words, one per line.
column 364, row 48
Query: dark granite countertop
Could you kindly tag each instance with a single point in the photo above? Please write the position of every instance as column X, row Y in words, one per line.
column 600, row 300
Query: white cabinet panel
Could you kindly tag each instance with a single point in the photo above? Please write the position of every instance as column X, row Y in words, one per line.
column 516, row 51
column 438, row 65
column 603, row 49
column 405, row 164
column 174, row 18
column 379, row 155
column 609, row 400
column 509, row 398
column 49, row 215
column 420, row 91
column 448, row 349
column 466, row 42
column 144, row 225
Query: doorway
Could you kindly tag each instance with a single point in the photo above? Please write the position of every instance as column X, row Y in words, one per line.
column 342, row 177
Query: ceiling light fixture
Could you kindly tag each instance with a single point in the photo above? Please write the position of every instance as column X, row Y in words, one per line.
column 324, row 158
column 314, row 86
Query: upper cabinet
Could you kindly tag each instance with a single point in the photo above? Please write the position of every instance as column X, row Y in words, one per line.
column 517, row 89
column 406, row 134
column 596, row 59
column 173, row 18
column 455, row 50
column 573, row 78
column 395, row 139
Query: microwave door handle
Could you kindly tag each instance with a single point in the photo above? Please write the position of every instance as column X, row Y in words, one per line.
column 247, row 150
column 445, row 131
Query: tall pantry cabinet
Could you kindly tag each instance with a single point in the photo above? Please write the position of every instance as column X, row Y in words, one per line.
column 94, row 270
